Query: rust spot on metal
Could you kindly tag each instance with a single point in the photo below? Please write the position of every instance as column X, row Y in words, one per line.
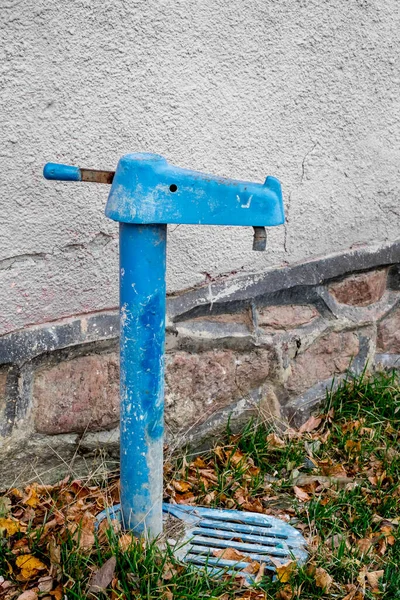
column 95, row 176
column 259, row 239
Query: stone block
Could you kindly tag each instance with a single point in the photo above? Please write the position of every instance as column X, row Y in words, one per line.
column 389, row 333
column 81, row 394
column 198, row 385
column 327, row 356
column 361, row 289
column 287, row 316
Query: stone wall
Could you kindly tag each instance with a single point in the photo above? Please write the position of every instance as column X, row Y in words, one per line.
column 268, row 344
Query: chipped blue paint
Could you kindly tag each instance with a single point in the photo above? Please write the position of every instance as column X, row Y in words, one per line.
column 146, row 189
column 61, row 172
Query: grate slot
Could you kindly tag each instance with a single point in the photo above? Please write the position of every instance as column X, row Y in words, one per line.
column 215, row 561
column 206, row 551
column 242, row 547
column 244, row 537
column 241, row 528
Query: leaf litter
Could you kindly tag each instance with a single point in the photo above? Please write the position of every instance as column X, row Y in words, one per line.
column 336, row 479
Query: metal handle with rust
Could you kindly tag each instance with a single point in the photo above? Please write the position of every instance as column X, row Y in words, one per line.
column 61, row 172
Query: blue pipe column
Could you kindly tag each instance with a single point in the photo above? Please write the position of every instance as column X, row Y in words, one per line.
column 142, row 331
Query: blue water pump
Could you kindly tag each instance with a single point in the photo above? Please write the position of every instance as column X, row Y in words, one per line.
column 148, row 193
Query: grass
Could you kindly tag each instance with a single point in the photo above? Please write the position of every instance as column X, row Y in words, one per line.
column 347, row 465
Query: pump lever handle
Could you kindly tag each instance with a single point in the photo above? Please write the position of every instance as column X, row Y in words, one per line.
column 69, row 173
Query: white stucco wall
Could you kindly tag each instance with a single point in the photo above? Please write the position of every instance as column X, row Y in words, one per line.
column 306, row 90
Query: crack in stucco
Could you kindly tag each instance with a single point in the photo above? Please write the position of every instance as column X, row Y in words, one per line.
column 303, row 162
column 8, row 263
column 98, row 241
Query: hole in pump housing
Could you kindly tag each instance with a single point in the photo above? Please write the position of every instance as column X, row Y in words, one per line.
column 173, row 187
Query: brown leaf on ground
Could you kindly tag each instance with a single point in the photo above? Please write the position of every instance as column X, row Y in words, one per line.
column 210, row 498
column 181, row 486
column 353, row 447
column 353, row 592
column 260, row 574
column 332, row 470
column 311, row 424
column 231, row 554
column 253, row 568
column 220, row 454
column 365, row 544
column 361, row 577
column 169, row 571
column 209, row 474
column 187, row 498
column 373, row 578
column 32, row 498
column 323, row 579
column 28, row 595
column 198, row 463
column 253, row 505
column 301, row 494
column 45, row 584
column 103, row 577
column 387, row 531
column 286, row 593
column 235, row 457
column 275, row 441
column 125, row 541
column 83, row 531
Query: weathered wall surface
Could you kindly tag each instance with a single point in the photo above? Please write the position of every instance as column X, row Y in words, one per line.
column 266, row 345
column 303, row 90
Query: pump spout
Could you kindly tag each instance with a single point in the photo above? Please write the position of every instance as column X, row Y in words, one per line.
column 259, row 239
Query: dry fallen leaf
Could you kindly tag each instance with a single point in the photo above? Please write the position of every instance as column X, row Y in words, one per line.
column 275, row 441
column 84, row 531
column 103, row 577
column 323, row 579
column 32, row 498
column 387, row 531
column 311, row 424
column 301, row 494
column 362, row 576
column 235, row 457
column 181, row 486
column 353, row 447
column 231, row 554
column 373, row 579
column 45, row 584
column 12, row 526
column 169, row 571
column 30, row 566
column 28, row 595
column 353, row 592
column 125, row 541
column 365, row 544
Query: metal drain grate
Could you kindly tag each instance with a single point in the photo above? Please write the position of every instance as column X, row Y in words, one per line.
column 257, row 537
